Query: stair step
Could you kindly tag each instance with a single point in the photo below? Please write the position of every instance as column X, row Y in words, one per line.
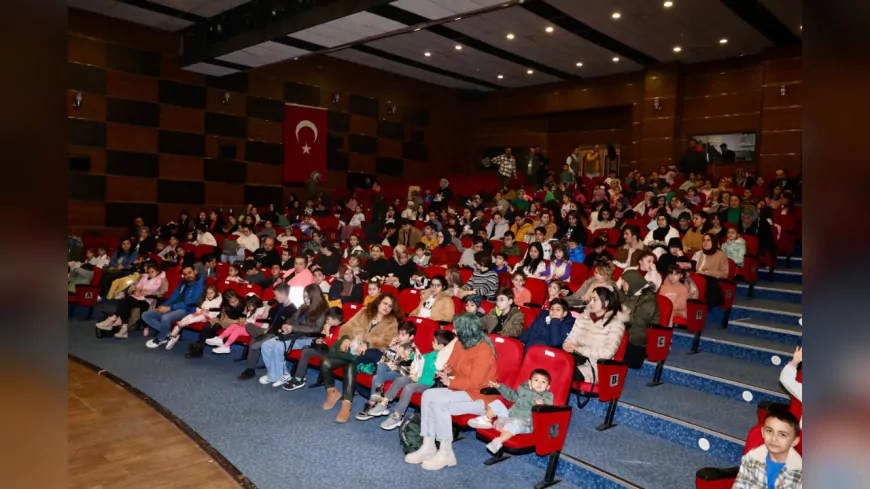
column 795, row 264
column 789, row 334
column 720, row 375
column 717, row 341
column 783, row 275
column 766, row 309
column 775, row 291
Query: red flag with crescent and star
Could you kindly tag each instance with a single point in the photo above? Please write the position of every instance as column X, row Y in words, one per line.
column 304, row 142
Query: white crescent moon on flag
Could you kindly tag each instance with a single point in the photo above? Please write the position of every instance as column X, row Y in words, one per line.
column 304, row 124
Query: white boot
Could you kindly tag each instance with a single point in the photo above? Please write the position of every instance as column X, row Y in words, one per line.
column 104, row 324
column 444, row 458
column 426, row 451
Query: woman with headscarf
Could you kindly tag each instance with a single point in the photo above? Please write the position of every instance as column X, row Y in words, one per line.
column 470, row 368
column 347, row 288
column 712, row 263
column 658, row 238
column 442, row 196
column 444, row 252
column 644, row 206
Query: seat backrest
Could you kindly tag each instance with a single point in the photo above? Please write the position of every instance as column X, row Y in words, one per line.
column 510, row 356
column 751, row 244
column 203, row 250
column 486, row 306
column 579, row 272
column 623, row 344
column 700, row 282
column 465, row 274
column 245, row 289
column 538, row 288
column 426, row 329
column 409, row 299
column 529, row 315
column 350, row 309
column 558, row 363
column 666, row 310
column 388, row 251
column 458, row 307
column 391, row 289
column 332, row 337
column 98, row 275
column 496, row 245
column 431, row 272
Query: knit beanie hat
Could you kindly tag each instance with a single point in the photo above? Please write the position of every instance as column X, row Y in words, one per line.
column 476, row 299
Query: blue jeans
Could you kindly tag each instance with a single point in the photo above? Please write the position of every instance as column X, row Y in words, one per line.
column 383, row 374
column 273, row 352
column 162, row 323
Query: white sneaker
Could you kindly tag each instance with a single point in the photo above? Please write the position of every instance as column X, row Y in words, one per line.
column 222, row 350
column 172, row 341
column 155, row 343
column 480, row 422
column 494, row 446
column 215, row 341
column 264, row 380
column 283, row 380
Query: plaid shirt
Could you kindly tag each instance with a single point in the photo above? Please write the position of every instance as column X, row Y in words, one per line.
column 507, row 165
column 753, row 471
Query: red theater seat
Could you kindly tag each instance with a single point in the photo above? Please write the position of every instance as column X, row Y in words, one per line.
column 550, row 422
column 658, row 339
column 611, row 379
column 409, row 299
column 510, row 357
column 86, row 295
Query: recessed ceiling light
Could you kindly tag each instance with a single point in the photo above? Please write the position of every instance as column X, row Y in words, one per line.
column 668, row 4
column 459, row 47
column 529, row 72
column 723, row 41
column 417, row 29
column 579, row 64
column 458, row 18
column 616, row 59
column 500, row 77
column 677, row 49
column 616, row 15
column 549, row 29
column 427, row 54
column 510, row 36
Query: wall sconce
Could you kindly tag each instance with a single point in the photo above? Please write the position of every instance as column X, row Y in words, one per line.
column 391, row 109
column 657, row 105
column 336, row 98
column 225, row 99
column 77, row 101
column 783, row 91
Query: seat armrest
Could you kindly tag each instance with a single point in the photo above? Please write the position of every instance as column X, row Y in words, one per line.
column 489, row 391
column 710, row 474
column 544, row 409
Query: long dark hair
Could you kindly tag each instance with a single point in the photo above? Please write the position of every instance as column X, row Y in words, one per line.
column 318, row 305
column 230, row 311
column 607, row 295
column 532, row 263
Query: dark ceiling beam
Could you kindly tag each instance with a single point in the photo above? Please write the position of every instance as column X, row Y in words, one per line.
column 557, row 17
column 270, row 30
column 410, row 19
column 227, row 64
column 165, row 10
column 763, row 20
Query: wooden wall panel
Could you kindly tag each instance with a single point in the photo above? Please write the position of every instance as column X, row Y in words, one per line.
column 235, row 106
column 266, row 87
column 785, row 118
column 175, row 167
column 169, row 212
column 783, row 70
column 735, row 81
column 362, row 163
column 259, row 174
column 130, row 189
column 772, row 96
column 132, row 87
column 182, row 119
column 97, row 155
column 390, row 148
column 363, row 125
column 85, row 50
column 769, row 163
column 658, row 148
column 93, row 106
column 169, row 70
column 776, row 142
column 224, row 194
column 132, row 138
column 213, row 144
column 262, row 130
column 86, row 214
column 738, row 103
column 721, row 124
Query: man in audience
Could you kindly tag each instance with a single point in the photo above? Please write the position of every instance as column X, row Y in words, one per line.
column 267, row 255
column 511, row 247
column 253, row 275
column 507, row 167
column 409, row 236
column 207, row 267
column 693, row 160
column 183, row 301
column 268, row 230
column 280, row 314
column 328, row 259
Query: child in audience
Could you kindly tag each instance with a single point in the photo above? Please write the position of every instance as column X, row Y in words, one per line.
column 734, row 247
column 395, row 362
column 556, row 289
column 419, row 281
column 776, row 464
column 287, row 237
column 420, row 377
column 472, row 305
column 373, row 289
column 421, row 255
column 521, row 293
column 602, row 277
column 511, row 247
column 354, row 248
column 233, row 274
column 576, row 253
column 518, row 419
column 560, row 267
column 255, row 309
column 209, row 307
column 679, row 289
column 353, row 264
column 334, row 317
column 500, row 265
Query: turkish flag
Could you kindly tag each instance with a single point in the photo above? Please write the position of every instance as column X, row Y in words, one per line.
column 304, row 142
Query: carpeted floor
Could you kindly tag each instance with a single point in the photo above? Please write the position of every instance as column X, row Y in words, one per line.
column 283, row 439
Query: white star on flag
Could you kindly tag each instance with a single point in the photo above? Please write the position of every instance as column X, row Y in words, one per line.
column 306, row 149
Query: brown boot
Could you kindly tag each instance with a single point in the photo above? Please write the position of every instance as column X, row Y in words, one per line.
column 344, row 414
column 122, row 333
column 332, row 397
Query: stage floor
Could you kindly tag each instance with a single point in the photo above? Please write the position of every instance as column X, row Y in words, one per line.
column 117, row 440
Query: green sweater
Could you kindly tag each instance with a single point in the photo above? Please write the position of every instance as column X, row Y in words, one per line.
column 428, row 375
column 523, row 399
column 513, row 250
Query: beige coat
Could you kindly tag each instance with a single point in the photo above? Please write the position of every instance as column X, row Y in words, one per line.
column 595, row 341
column 378, row 337
column 442, row 309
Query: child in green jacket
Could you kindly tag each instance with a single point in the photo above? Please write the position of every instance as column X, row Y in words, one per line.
column 421, row 377
column 518, row 419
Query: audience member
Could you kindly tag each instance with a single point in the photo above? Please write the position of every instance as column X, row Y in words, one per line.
column 597, row 333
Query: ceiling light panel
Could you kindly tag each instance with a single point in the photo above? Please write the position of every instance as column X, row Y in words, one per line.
column 695, row 25
column 439, row 9
column 348, row 29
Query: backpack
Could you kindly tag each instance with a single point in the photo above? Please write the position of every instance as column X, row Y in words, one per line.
column 409, row 433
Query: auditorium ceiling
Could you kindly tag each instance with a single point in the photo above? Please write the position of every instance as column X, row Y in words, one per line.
column 467, row 44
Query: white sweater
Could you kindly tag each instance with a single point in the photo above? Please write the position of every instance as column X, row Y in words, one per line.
column 211, row 304
column 250, row 243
